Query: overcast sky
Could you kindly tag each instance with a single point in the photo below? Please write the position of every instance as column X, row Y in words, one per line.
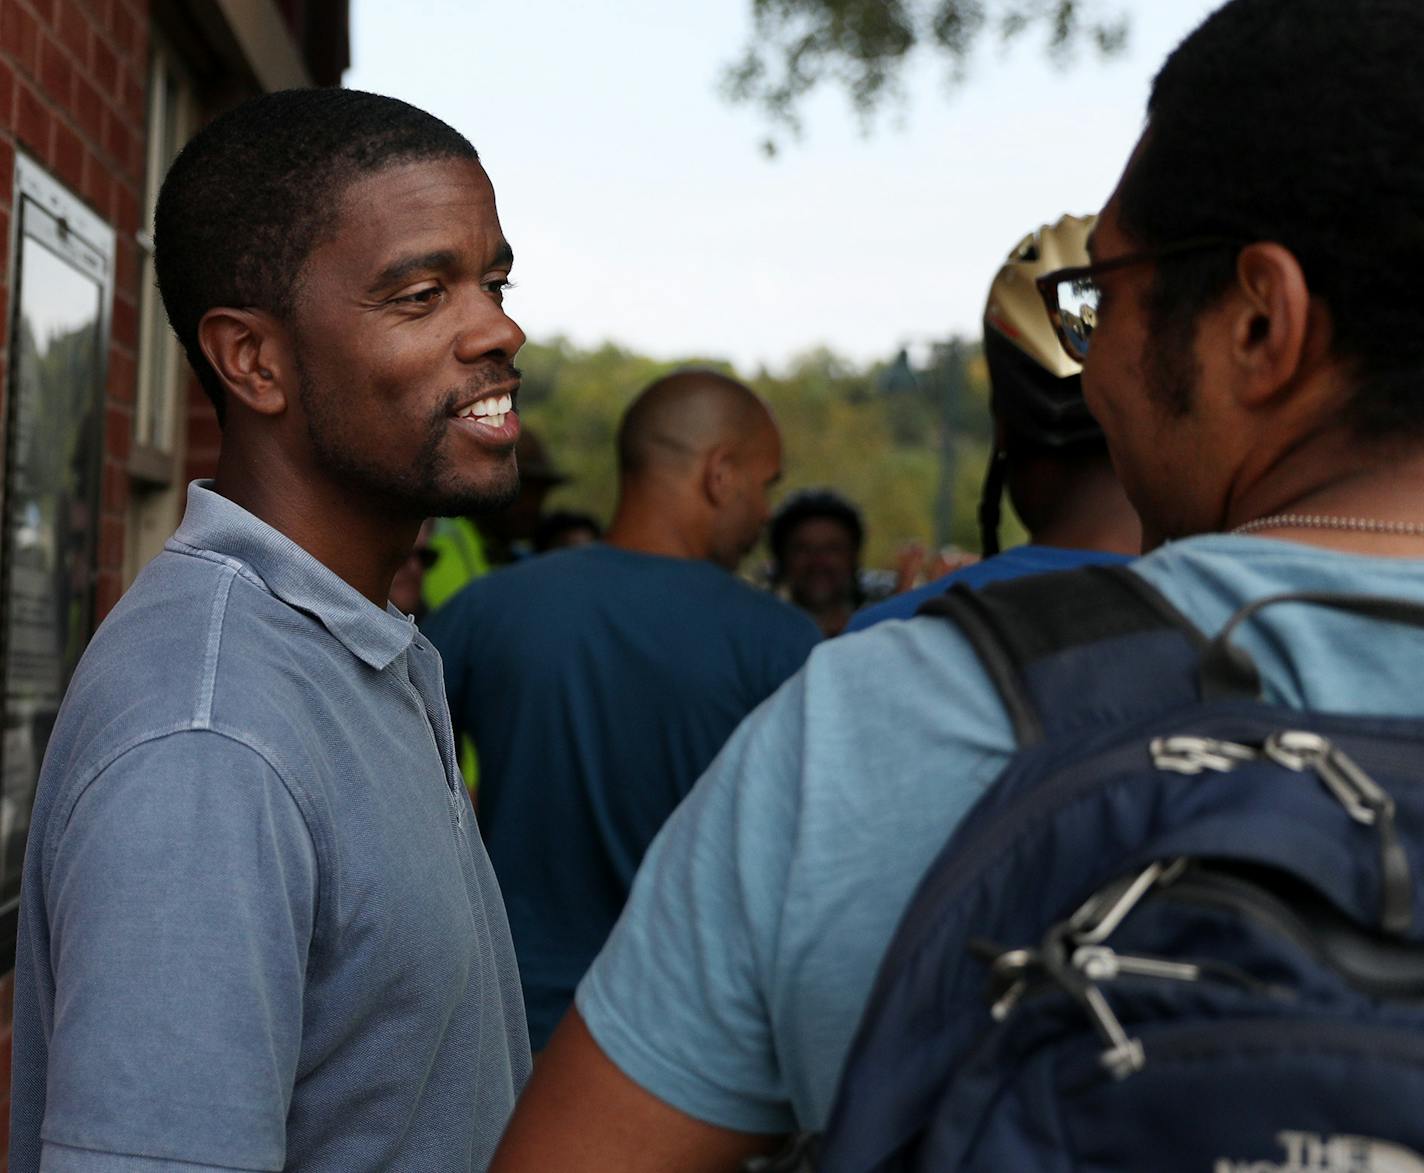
column 642, row 210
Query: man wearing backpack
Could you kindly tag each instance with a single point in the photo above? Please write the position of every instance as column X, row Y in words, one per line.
column 1257, row 364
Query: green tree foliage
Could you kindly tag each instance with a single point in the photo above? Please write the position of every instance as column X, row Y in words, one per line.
column 839, row 426
column 863, row 45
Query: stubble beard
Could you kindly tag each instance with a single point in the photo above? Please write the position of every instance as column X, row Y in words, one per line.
column 419, row 490
column 1171, row 370
column 1172, row 374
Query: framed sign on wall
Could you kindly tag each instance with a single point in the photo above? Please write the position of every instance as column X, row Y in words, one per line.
column 53, row 430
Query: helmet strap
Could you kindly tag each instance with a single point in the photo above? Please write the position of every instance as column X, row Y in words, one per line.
column 990, row 502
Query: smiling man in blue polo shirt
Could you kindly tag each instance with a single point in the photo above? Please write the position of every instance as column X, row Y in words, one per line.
column 258, row 929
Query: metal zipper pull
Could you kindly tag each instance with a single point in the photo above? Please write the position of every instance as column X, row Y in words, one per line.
column 1367, row 803
column 1124, row 1055
column 1099, row 963
column 1008, row 1001
column 1396, row 879
column 1301, row 751
column 1009, row 977
column 1099, row 916
column 1371, row 800
column 1185, row 754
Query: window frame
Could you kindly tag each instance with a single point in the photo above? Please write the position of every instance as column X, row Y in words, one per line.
column 55, row 218
column 154, row 460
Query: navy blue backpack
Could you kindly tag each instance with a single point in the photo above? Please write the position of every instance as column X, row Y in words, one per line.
column 1180, row 933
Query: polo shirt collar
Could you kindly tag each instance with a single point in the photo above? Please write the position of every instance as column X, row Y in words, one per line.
column 213, row 524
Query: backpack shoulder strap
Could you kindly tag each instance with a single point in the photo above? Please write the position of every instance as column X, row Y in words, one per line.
column 1077, row 647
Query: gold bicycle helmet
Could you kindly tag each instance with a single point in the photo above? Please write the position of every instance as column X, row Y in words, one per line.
column 1035, row 389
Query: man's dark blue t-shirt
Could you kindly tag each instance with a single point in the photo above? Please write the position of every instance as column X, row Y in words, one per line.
column 597, row 684
column 1013, row 563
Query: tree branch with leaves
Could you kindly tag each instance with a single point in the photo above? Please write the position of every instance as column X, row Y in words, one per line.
column 863, row 45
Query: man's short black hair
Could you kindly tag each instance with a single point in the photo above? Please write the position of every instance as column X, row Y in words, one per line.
column 257, row 189
column 804, row 506
column 1298, row 122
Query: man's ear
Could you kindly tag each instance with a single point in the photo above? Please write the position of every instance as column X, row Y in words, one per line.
column 251, row 352
column 717, row 474
column 1277, row 329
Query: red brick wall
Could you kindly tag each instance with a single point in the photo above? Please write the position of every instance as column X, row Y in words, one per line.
column 73, row 75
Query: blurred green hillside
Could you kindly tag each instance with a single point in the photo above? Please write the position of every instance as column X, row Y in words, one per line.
column 840, row 425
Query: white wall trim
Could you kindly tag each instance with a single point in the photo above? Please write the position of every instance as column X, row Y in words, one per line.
column 261, row 33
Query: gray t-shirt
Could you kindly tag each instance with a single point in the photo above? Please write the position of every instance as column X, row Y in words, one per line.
column 258, row 929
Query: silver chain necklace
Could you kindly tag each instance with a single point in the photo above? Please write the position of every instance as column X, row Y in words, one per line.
column 1359, row 525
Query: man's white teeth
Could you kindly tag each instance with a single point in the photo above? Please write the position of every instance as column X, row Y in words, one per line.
column 490, row 412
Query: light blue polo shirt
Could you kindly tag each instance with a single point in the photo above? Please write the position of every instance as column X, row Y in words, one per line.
column 733, row 984
column 258, row 929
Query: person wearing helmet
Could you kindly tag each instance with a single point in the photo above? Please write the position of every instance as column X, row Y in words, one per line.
column 815, row 539
column 1049, row 452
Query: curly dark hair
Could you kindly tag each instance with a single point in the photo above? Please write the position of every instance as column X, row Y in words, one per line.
column 803, row 506
column 257, row 189
column 1298, row 122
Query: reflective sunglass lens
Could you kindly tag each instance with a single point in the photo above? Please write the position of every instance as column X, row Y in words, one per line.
column 1078, row 314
